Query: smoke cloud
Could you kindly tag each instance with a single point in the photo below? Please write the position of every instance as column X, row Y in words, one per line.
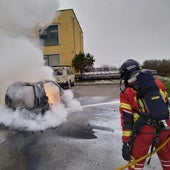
column 20, row 52
column 19, row 17
column 22, row 58
column 19, row 48
column 29, row 121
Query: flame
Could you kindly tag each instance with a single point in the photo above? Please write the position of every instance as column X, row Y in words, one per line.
column 53, row 93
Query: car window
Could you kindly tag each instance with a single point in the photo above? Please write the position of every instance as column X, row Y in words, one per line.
column 69, row 72
column 58, row 72
column 21, row 96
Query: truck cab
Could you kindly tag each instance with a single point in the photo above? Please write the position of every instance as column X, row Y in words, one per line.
column 64, row 76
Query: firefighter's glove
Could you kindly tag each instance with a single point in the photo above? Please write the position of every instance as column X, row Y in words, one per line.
column 126, row 150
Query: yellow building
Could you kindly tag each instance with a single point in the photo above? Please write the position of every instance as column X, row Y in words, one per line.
column 63, row 39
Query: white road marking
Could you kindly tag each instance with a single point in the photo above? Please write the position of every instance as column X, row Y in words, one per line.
column 98, row 104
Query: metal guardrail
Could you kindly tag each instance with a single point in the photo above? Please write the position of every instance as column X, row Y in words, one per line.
column 98, row 75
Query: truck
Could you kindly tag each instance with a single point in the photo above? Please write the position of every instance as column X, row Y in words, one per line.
column 64, row 76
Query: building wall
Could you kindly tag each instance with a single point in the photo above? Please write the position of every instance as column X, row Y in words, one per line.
column 70, row 37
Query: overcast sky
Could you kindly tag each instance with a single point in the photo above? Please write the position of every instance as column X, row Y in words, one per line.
column 115, row 30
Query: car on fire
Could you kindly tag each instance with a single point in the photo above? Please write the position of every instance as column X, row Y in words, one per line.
column 33, row 96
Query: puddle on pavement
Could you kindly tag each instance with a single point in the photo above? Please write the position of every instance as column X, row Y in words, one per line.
column 76, row 131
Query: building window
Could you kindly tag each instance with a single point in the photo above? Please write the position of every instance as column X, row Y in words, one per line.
column 49, row 36
column 52, row 60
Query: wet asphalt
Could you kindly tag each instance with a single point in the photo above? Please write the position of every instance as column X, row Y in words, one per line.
column 88, row 140
column 84, row 141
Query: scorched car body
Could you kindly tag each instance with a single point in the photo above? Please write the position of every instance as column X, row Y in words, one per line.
column 36, row 97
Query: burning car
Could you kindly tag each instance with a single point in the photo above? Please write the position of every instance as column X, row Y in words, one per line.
column 36, row 97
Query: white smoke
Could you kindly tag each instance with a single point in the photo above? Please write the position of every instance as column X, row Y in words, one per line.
column 28, row 121
column 21, row 55
column 19, row 17
column 71, row 102
column 22, row 58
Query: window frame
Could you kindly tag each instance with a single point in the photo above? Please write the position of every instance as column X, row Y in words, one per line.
column 47, row 34
column 47, row 59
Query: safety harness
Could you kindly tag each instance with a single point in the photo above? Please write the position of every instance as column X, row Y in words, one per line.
column 145, row 120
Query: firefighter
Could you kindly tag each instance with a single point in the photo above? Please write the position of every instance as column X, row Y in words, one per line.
column 137, row 143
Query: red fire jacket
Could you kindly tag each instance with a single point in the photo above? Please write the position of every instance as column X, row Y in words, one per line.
column 129, row 109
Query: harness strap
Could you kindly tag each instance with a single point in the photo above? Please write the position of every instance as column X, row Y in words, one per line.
column 145, row 120
column 155, row 140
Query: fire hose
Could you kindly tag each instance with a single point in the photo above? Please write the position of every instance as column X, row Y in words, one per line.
column 133, row 162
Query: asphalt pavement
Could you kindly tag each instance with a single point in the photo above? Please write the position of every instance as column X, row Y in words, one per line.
column 89, row 140
column 6, row 133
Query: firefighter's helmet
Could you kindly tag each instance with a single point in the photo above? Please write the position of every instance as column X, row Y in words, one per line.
column 128, row 69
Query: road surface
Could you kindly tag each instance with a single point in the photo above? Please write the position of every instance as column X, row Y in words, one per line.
column 89, row 140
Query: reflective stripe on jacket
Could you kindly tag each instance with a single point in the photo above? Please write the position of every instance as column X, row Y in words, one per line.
column 129, row 109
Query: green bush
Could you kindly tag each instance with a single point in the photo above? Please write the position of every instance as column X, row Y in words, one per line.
column 167, row 85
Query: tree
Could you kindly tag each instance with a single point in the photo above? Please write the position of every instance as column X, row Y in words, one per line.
column 82, row 61
column 162, row 66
